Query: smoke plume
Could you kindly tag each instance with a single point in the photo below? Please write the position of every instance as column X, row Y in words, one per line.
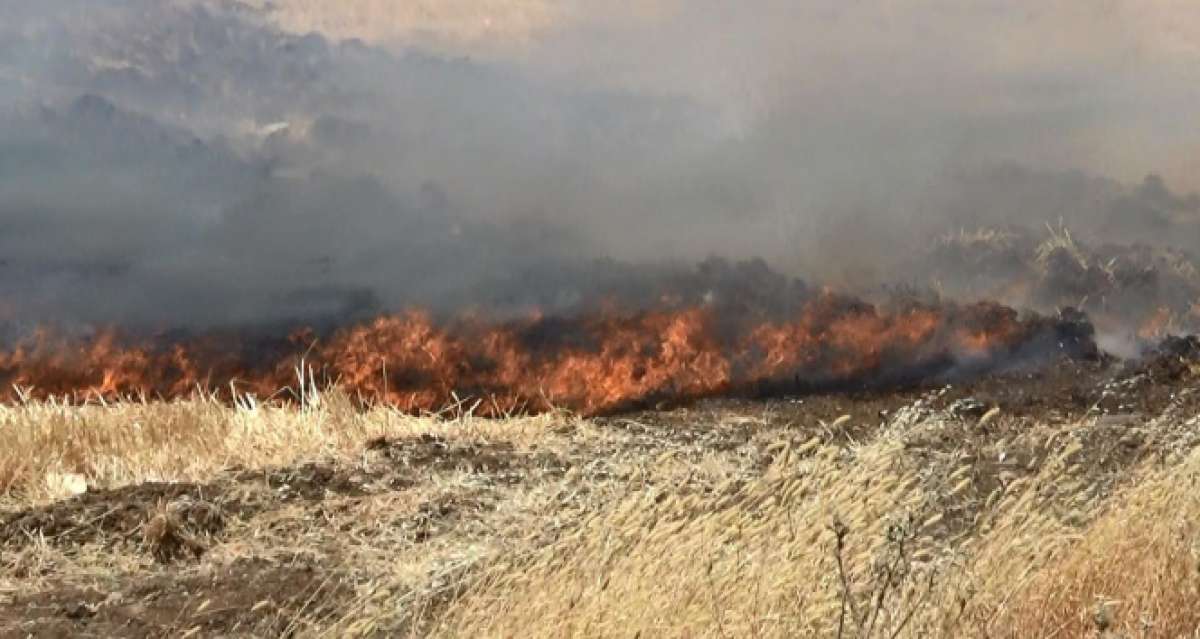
column 190, row 164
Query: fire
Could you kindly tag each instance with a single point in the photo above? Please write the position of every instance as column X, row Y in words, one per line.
column 592, row 363
column 1157, row 324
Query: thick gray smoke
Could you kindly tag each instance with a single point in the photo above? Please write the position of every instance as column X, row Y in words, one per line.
column 193, row 164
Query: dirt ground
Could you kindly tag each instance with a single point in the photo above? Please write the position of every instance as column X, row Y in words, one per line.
column 297, row 551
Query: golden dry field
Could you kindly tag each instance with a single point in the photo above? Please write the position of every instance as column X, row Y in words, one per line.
column 1061, row 503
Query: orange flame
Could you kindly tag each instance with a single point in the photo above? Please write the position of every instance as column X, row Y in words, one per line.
column 1157, row 324
column 592, row 364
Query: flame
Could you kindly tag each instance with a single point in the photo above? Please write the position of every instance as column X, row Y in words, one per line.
column 1157, row 324
column 591, row 363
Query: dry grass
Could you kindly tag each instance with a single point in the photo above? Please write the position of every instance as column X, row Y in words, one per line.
column 462, row 21
column 864, row 542
column 1059, row 240
column 928, row 526
column 52, row 450
column 1135, row 571
column 979, row 238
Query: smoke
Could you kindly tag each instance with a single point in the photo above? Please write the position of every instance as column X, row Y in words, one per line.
column 194, row 164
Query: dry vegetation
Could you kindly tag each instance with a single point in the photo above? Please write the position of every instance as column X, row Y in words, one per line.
column 488, row 22
column 1061, row 505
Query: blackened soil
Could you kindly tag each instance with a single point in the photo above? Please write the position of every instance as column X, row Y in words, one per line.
column 248, row 598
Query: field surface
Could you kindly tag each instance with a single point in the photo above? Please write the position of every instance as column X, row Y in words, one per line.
column 1060, row 503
